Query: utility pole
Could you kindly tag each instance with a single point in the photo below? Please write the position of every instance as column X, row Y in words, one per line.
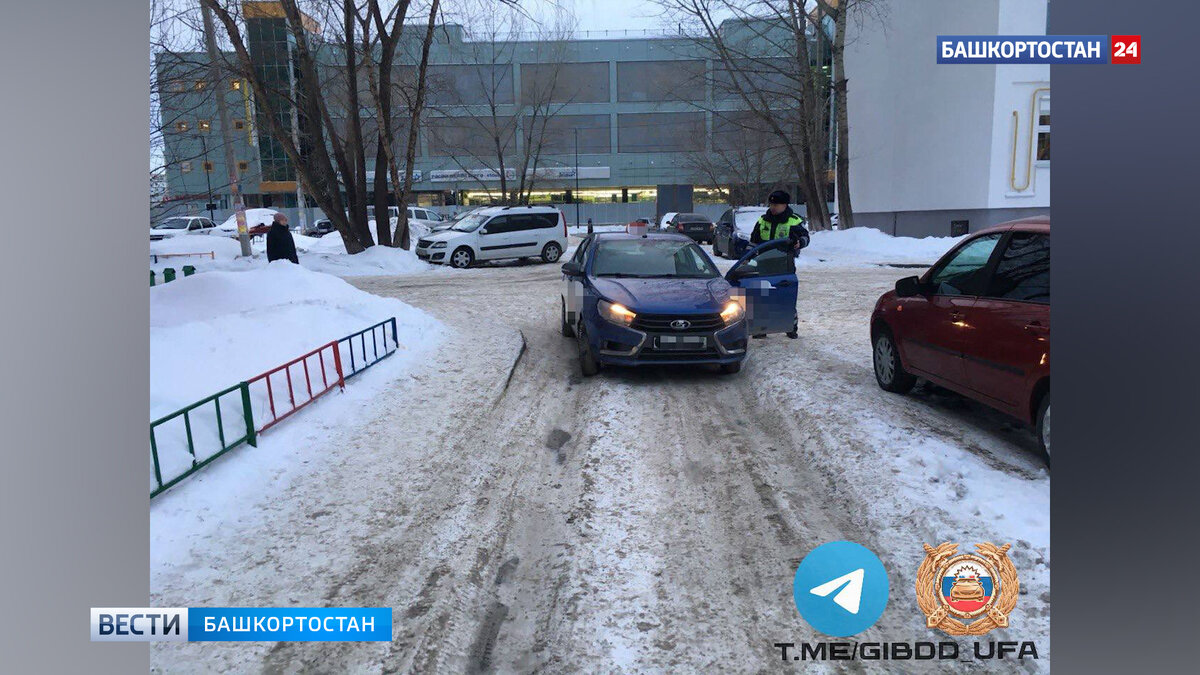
column 207, row 178
column 218, row 83
column 575, row 196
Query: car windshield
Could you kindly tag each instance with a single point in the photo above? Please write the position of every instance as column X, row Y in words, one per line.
column 172, row 224
column 652, row 258
column 691, row 218
column 470, row 223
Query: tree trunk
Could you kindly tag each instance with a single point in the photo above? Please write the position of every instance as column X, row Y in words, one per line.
column 841, row 111
column 383, row 219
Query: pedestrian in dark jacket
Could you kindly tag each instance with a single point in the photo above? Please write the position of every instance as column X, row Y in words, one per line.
column 780, row 222
column 280, row 245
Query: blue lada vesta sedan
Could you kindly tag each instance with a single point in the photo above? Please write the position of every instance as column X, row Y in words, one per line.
column 634, row 300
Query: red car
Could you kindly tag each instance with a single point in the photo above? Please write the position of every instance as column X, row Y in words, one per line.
column 978, row 323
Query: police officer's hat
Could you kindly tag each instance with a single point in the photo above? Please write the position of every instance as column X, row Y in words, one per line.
column 779, row 197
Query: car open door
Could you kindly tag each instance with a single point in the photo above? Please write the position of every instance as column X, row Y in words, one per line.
column 765, row 279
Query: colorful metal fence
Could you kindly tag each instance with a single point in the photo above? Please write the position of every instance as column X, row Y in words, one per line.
column 247, row 434
column 381, row 348
column 272, row 396
column 270, row 384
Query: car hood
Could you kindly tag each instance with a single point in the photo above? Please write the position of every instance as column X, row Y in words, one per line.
column 665, row 296
column 444, row 235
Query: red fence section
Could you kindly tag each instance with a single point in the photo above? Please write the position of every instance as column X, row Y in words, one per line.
column 281, row 391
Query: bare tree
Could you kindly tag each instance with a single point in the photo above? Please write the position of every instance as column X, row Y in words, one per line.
column 765, row 60
column 485, row 125
column 324, row 159
column 745, row 161
column 385, row 87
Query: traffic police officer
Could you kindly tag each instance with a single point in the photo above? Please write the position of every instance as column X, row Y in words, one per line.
column 780, row 222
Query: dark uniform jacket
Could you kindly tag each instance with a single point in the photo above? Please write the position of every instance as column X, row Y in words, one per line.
column 787, row 224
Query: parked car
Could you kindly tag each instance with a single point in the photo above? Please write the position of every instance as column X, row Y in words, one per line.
column 977, row 322
column 498, row 233
column 421, row 221
column 180, row 225
column 659, row 299
column 664, row 222
column 451, row 222
column 254, row 217
column 643, row 221
column 318, row 229
column 731, row 234
column 695, row 225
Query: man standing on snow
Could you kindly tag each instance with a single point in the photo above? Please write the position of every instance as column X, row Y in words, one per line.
column 780, row 222
column 280, row 245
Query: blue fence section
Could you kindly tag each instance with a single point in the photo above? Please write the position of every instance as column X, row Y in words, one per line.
column 367, row 347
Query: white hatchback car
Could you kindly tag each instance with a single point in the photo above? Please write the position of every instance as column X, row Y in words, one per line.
column 498, row 233
column 176, row 226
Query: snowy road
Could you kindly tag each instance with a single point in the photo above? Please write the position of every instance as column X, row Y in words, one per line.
column 522, row 519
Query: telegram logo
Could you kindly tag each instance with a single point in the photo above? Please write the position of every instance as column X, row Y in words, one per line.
column 841, row 588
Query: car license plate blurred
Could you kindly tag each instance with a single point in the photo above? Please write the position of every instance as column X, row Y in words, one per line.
column 681, row 342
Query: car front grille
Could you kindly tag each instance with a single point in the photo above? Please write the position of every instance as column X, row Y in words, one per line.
column 697, row 323
column 424, row 243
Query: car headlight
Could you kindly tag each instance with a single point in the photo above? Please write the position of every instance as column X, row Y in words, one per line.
column 733, row 312
column 438, row 244
column 615, row 313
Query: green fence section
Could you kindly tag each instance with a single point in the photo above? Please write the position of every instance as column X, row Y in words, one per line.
column 379, row 333
column 226, row 444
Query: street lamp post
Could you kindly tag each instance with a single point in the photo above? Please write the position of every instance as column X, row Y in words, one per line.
column 576, row 195
column 207, row 178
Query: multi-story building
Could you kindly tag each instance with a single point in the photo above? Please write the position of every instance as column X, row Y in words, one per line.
column 632, row 112
column 934, row 149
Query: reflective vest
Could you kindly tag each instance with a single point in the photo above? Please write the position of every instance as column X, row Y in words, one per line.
column 780, row 231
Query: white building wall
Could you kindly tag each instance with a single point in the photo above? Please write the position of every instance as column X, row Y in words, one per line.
column 931, row 143
column 1025, row 182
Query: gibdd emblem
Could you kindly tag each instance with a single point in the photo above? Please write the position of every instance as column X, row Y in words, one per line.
column 981, row 587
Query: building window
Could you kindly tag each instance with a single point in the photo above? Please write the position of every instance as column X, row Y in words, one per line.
column 182, row 126
column 235, row 85
column 208, row 167
column 243, row 167
column 239, row 124
column 204, row 125
column 1043, row 129
column 185, row 167
column 200, row 85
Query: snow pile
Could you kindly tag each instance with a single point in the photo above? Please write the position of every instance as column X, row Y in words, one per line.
column 253, row 217
column 375, row 260
column 859, row 245
column 210, row 331
column 222, row 248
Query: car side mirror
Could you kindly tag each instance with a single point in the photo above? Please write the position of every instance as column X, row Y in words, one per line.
column 739, row 273
column 483, row 230
column 572, row 269
column 909, row 287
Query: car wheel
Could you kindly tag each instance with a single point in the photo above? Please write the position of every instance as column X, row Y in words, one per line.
column 588, row 365
column 889, row 373
column 566, row 329
column 1043, row 426
column 551, row 252
column 462, row 258
column 731, row 368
